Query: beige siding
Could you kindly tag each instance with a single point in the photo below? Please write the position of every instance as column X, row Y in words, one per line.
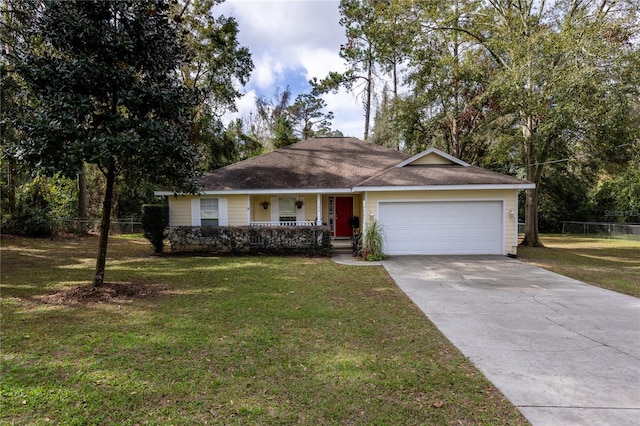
column 357, row 205
column 260, row 214
column 432, row 159
column 237, row 210
column 180, row 208
column 310, row 206
column 509, row 196
column 180, row 211
column 365, row 206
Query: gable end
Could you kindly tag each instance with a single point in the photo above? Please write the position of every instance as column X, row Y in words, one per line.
column 432, row 156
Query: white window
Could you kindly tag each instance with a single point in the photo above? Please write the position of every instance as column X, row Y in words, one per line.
column 287, row 209
column 209, row 214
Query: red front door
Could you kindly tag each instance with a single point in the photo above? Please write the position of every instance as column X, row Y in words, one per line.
column 344, row 212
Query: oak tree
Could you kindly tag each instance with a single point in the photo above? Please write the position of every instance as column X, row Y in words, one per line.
column 106, row 90
column 560, row 73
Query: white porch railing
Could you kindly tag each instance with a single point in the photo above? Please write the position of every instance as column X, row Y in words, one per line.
column 292, row 223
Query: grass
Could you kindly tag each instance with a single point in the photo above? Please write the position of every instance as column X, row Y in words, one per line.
column 613, row 264
column 224, row 340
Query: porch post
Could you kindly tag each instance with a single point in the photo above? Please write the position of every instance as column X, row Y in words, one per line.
column 364, row 222
column 318, row 209
column 248, row 209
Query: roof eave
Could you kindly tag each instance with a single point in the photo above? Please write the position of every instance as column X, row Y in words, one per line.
column 354, row 189
column 446, row 187
column 262, row 191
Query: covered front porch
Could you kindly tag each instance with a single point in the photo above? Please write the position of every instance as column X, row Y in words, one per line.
column 334, row 210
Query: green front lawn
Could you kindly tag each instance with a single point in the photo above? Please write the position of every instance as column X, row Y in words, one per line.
column 613, row 264
column 222, row 340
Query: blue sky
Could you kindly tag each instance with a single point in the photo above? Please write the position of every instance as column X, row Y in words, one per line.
column 292, row 41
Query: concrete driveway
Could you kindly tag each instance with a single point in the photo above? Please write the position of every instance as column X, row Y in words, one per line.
column 562, row 351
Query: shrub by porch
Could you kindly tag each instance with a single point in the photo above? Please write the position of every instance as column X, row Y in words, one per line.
column 250, row 239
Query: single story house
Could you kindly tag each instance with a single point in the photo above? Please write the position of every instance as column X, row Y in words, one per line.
column 429, row 203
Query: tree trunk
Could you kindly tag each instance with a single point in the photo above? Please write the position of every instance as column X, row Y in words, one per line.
column 367, row 110
column 456, row 151
column 105, row 223
column 395, row 81
column 534, row 174
column 531, row 236
column 11, row 186
column 455, row 133
column 82, row 201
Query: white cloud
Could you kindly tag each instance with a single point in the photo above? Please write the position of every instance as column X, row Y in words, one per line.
column 277, row 25
column 292, row 40
column 348, row 113
column 318, row 63
column 266, row 71
column 246, row 104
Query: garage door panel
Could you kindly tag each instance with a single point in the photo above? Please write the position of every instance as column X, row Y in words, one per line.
column 442, row 227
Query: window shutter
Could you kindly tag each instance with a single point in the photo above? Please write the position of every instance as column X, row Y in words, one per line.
column 223, row 215
column 195, row 212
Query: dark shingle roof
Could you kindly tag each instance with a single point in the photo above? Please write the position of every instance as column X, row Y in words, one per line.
column 312, row 164
column 342, row 163
column 439, row 174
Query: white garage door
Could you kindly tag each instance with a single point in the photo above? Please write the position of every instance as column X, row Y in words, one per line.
column 461, row 227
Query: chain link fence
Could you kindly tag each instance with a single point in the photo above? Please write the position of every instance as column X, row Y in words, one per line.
column 610, row 230
column 126, row 225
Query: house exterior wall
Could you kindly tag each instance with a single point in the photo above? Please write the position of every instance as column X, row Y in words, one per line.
column 237, row 214
column 180, row 210
column 509, row 197
column 259, row 214
column 236, row 209
column 432, row 159
column 310, row 206
column 365, row 206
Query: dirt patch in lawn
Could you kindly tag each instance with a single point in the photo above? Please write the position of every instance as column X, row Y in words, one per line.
column 106, row 293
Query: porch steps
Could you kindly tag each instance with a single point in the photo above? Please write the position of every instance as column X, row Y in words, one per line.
column 341, row 246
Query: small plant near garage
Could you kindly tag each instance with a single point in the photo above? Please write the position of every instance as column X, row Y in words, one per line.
column 372, row 240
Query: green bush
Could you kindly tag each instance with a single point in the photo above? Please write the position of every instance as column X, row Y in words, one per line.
column 155, row 219
column 37, row 202
column 372, row 241
column 35, row 222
